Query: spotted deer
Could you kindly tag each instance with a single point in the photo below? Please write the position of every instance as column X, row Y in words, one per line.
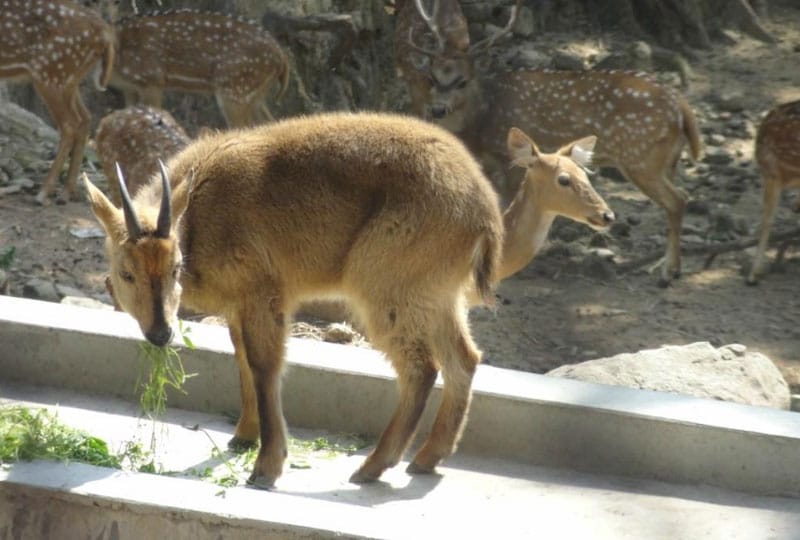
column 777, row 151
column 641, row 127
column 206, row 53
column 54, row 44
column 391, row 212
column 136, row 138
column 432, row 48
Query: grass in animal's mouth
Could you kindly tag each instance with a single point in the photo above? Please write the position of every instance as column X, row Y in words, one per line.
column 165, row 371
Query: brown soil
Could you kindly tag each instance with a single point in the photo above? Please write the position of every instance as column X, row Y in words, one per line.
column 561, row 309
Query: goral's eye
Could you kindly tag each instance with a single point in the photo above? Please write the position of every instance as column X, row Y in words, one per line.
column 126, row 276
column 176, row 271
column 462, row 83
column 564, row 179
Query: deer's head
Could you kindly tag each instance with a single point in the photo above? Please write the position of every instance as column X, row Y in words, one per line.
column 450, row 64
column 559, row 180
column 144, row 252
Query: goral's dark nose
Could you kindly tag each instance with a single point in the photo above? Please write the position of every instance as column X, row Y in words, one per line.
column 608, row 217
column 159, row 336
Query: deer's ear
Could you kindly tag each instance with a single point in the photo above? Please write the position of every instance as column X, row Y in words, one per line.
column 580, row 151
column 108, row 215
column 522, row 150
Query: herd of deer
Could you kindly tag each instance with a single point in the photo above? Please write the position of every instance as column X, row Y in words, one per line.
column 393, row 214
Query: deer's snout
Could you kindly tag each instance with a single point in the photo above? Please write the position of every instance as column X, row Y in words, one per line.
column 608, row 217
column 438, row 110
column 160, row 335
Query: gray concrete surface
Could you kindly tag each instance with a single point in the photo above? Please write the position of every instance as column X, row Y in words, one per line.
column 473, row 497
column 521, row 416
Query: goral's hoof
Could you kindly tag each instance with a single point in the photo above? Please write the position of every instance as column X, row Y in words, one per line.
column 240, row 446
column 261, row 482
column 414, row 468
column 363, row 477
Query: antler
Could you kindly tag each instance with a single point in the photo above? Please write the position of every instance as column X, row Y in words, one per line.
column 486, row 43
column 430, row 21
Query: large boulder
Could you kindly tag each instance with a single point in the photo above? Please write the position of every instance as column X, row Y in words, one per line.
column 729, row 373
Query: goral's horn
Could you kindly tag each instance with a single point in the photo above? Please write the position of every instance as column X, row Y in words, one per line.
column 165, row 214
column 131, row 221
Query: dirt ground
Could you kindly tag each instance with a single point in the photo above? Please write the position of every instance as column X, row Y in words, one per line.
column 561, row 309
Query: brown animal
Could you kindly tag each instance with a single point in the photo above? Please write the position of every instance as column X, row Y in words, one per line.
column 205, row 53
column 553, row 185
column 443, row 30
column 391, row 212
column 641, row 127
column 778, row 156
column 136, row 138
column 54, row 44
column 432, row 48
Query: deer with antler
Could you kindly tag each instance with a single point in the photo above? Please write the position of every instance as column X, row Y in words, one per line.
column 54, row 44
column 432, row 48
column 391, row 212
column 641, row 126
column 234, row 60
column 777, row 150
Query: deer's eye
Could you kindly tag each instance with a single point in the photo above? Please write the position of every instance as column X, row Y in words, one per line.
column 176, row 271
column 461, row 83
column 564, row 179
column 126, row 276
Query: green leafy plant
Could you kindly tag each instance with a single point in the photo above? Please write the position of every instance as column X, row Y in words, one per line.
column 165, row 371
column 7, row 258
column 27, row 434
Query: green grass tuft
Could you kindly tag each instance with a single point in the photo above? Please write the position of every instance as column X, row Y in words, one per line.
column 37, row 434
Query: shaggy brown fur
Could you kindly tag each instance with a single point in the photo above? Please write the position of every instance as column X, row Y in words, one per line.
column 390, row 212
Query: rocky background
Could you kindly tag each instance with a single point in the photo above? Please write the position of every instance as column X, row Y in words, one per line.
column 588, row 295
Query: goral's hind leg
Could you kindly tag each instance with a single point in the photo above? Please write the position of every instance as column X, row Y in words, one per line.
column 416, row 374
column 459, row 359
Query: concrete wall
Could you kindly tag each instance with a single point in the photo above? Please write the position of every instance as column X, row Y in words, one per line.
column 520, row 416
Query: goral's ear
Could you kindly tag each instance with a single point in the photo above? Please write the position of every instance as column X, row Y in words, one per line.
column 521, row 148
column 581, row 151
column 109, row 216
column 180, row 197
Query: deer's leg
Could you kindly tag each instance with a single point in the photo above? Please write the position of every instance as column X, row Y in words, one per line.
column 459, row 359
column 772, row 190
column 83, row 121
column 152, row 96
column 247, row 428
column 264, row 331
column 673, row 201
column 58, row 103
column 237, row 114
column 412, row 358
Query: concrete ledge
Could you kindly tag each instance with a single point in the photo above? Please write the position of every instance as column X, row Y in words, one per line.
column 514, row 415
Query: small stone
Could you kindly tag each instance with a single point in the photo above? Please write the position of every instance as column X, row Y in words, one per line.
column 40, row 289
column 698, row 207
column 715, row 139
column 66, row 290
column 718, row 156
column 339, row 333
column 620, row 229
